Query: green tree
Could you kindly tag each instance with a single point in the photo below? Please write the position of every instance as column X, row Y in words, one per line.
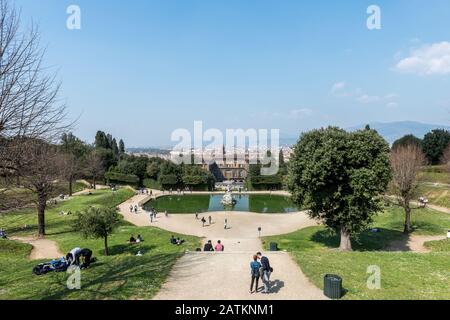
column 100, row 140
column 98, row 223
column 407, row 140
column 339, row 176
column 434, row 143
column 153, row 170
column 121, row 147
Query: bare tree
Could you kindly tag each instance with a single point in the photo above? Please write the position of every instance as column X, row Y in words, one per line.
column 70, row 168
column 29, row 103
column 29, row 96
column 94, row 166
column 406, row 162
column 445, row 159
column 40, row 169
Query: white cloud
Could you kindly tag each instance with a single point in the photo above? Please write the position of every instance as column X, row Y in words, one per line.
column 337, row 87
column 368, row 99
column 392, row 105
column 301, row 113
column 427, row 60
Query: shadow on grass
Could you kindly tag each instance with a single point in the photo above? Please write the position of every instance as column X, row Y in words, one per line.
column 128, row 248
column 121, row 278
column 366, row 241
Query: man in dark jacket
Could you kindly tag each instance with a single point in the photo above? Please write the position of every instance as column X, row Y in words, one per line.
column 266, row 271
column 208, row 247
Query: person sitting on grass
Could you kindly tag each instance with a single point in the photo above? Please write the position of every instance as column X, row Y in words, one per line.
column 71, row 256
column 180, row 242
column 173, row 240
column 208, row 247
column 139, row 239
column 132, row 239
column 3, row 234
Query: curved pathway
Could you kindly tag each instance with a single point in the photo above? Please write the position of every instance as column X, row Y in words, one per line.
column 413, row 243
column 226, row 276
column 42, row 248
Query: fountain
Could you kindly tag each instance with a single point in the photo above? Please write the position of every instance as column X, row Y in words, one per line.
column 228, row 199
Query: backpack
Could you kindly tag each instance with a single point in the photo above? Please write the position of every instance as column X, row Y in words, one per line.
column 255, row 270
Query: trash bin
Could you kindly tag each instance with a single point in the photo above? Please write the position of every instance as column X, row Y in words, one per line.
column 332, row 287
column 273, row 246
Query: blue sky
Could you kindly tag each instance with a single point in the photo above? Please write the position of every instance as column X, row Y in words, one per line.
column 140, row 69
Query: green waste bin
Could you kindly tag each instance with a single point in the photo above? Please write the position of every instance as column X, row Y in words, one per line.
column 273, row 246
column 332, row 287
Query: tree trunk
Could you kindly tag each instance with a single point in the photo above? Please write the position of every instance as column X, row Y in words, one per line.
column 42, row 204
column 408, row 227
column 346, row 244
column 106, row 246
column 70, row 186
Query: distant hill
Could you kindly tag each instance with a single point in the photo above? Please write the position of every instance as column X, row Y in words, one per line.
column 148, row 150
column 392, row 131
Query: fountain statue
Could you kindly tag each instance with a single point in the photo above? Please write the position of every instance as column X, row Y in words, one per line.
column 228, row 199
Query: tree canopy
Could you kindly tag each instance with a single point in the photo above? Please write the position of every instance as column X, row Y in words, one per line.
column 434, row 144
column 407, row 140
column 339, row 175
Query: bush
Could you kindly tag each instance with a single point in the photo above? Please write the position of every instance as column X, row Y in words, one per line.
column 152, row 184
column 122, row 178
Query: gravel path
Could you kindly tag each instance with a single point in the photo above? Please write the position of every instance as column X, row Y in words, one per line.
column 42, row 248
column 413, row 243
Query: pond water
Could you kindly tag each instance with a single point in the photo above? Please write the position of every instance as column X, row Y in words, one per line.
column 259, row 203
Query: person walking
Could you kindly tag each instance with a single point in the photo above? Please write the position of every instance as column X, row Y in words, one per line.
column 265, row 271
column 254, row 271
column 203, row 221
column 196, row 215
column 210, row 220
column 219, row 246
column 151, row 216
column 225, row 225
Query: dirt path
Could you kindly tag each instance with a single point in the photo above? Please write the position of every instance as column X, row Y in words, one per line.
column 42, row 248
column 413, row 243
column 226, row 276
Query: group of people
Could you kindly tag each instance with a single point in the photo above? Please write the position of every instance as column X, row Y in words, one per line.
column 203, row 219
column 143, row 191
column 134, row 209
column 79, row 257
column 260, row 269
column 136, row 240
column 176, row 241
column 209, row 247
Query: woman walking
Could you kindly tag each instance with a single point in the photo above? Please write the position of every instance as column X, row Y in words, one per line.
column 254, row 271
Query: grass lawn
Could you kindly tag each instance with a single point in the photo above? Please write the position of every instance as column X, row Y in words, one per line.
column 435, row 174
column 122, row 275
column 403, row 275
column 436, row 194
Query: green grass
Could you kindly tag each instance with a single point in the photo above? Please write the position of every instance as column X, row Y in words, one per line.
column 424, row 221
column 434, row 174
column 403, row 275
column 436, row 194
column 121, row 275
